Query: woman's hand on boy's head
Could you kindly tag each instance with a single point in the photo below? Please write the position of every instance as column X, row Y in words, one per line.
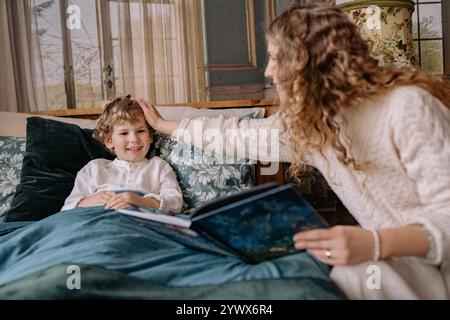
column 151, row 114
column 122, row 201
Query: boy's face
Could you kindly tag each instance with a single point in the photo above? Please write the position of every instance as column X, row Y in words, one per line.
column 130, row 141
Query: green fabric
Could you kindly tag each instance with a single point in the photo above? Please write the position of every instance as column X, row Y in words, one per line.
column 11, row 157
column 55, row 152
column 99, row 283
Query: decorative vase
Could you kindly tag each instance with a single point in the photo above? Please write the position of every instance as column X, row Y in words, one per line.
column 387, row 26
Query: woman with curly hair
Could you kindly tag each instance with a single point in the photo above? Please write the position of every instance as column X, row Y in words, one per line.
column 381, row 138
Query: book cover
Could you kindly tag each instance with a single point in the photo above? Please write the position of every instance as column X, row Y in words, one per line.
column 256, row 224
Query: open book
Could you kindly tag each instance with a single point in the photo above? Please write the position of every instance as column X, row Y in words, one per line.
column 256, row 224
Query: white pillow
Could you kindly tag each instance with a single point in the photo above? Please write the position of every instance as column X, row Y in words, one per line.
column 15, row 124
column 179, row 113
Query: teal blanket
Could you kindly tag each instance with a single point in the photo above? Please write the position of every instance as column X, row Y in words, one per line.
column 118, row 258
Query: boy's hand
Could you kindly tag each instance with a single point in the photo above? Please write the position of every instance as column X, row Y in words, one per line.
column 122, row 201
column 98, row 199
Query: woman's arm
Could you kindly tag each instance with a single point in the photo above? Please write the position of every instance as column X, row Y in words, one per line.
column 345, row 245
column 421, row 134
column 420, row 126
column 255, row 139
column 403, row 241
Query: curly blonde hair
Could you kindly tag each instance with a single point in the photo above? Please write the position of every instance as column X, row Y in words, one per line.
column 324, row 66
column 118, row 110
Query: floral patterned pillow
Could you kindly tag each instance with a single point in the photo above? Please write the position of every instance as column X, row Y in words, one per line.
column 12, row 150
column 203, row 177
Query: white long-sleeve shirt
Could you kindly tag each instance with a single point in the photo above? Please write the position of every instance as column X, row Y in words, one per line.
column 152, row 177
column 404, row 134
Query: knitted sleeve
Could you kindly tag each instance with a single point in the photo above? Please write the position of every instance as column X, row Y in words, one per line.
column 254, row 139
column 421, row 129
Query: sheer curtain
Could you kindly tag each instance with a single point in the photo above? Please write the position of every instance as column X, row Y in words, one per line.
column 160, row 50
column 22, row 85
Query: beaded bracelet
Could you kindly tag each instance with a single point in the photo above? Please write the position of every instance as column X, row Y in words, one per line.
column 377, row 246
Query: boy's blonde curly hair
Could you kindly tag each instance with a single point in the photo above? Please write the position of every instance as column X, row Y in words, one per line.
column 119, row 110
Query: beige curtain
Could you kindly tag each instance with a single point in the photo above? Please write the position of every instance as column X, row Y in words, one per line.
column 22, row 85
column 160, row 50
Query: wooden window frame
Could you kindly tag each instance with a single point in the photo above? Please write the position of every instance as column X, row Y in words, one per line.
column 445, row 38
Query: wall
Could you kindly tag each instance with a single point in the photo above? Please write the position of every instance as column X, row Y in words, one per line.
column 235, row 48
column 284, row 4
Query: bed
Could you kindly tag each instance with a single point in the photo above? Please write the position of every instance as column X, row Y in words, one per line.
column 47, row 254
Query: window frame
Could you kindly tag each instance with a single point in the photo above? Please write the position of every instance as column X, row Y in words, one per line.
column 445, row 38
column 69, row 76
column 106, row 49
column 105, row 45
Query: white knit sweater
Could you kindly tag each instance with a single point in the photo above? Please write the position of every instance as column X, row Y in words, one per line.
column 405, row 135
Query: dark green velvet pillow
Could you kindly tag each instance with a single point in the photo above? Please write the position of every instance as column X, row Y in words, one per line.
column 55, row 152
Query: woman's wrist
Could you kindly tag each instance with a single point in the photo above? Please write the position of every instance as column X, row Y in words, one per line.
column 167, row 127
column 387, row 245
column 403, row 241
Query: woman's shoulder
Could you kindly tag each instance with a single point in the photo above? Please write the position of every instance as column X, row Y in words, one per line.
column 408, row 93
column 413, row 101
column 414, row 111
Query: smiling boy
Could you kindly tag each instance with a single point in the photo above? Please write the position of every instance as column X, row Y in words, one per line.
column 130, row 179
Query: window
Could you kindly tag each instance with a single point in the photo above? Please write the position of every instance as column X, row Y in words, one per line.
column 86, row 57
column 430, row 36
column 71, row 57
column 51, row 46
column 146, row 48
column 145, row 39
